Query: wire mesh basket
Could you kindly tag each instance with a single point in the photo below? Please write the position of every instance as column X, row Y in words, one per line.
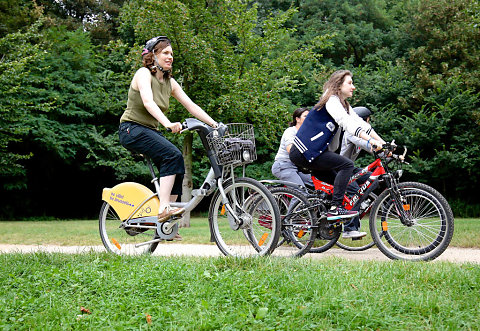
column 236, row 146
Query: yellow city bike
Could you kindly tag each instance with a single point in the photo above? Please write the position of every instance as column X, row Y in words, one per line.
column 128, row 221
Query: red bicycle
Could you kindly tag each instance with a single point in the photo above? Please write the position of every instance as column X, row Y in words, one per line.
column 409, row 220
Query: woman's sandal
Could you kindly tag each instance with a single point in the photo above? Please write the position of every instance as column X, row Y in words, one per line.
column 169, row 212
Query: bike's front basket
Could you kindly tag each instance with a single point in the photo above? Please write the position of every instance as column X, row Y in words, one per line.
column 236, row 146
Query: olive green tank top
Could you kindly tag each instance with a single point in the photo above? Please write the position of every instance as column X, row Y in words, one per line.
column 136, row 111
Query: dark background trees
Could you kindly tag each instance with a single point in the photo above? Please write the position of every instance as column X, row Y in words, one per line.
column 65, row 67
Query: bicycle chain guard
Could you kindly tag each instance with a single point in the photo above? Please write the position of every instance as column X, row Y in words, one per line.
column 328, row 230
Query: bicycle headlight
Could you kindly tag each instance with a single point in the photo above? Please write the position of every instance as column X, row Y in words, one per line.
column 246, row 155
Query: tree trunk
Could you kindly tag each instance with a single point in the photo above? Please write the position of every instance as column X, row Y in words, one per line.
column 187, row 180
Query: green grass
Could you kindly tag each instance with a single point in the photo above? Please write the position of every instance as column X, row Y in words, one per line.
column 46, row 291
column 80, row 233
column 467, row 233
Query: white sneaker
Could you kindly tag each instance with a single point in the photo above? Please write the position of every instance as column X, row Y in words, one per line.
column 353, row 234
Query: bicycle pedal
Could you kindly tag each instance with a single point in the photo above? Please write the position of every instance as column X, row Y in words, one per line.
column 358, row 238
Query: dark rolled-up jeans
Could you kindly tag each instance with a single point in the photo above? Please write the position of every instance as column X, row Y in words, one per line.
column 166, row 156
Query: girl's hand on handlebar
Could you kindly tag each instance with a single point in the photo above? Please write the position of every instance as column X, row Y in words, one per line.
column 376, row 145
column 175, row 127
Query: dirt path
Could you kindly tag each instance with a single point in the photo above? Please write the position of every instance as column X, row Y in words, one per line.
column 452, row 254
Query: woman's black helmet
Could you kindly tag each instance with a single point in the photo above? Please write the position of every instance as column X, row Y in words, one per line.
column 150, row 44
column 363, row 112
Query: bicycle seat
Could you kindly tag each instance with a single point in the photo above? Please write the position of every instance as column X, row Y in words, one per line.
column 136, row 156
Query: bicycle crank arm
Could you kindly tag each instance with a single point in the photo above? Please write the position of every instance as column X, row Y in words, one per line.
column 171, row 224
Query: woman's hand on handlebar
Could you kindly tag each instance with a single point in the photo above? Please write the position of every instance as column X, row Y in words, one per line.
column 175, row 127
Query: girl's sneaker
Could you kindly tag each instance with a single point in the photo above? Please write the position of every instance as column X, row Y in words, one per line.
column 338, row 213
column 353, row 234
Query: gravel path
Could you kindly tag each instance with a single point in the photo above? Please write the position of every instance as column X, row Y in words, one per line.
column 452, row 254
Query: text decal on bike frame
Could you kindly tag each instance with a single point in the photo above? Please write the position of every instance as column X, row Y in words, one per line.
column 358, row 195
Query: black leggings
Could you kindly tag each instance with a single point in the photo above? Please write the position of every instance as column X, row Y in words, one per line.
column 327, row 161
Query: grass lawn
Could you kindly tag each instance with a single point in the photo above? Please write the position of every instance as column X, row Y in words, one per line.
column 47, row 291
column 80, row 233
column 43, row 291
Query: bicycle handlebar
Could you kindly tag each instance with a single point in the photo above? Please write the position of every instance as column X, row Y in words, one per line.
column 194, row 124
column 386, row 153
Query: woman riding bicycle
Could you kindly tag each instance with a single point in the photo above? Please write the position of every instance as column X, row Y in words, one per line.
column 319, row 137
column 148, row 100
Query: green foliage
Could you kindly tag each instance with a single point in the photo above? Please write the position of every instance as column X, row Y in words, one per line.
column 18, row 54
column 358, row 28
column 98, row 17
column 61, row 90
column 446, row 42
column 16, row 16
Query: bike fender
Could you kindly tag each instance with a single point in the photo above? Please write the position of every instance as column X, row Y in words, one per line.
column 126, row 197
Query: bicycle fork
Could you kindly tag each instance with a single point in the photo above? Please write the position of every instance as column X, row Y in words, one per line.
column 400, row 203
column 236, row 222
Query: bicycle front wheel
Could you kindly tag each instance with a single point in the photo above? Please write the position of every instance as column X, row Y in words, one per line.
column 298, row 222
column 255, row 207
column 417, row 225
column 120, row 239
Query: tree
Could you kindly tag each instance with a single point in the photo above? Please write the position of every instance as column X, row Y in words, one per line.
column 16, row 16
column 56, row 110
column 18, row 52
column 429, row 98
column 98, row 17
column 444, row 39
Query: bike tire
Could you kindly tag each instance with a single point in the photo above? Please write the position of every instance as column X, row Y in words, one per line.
column 430, row 228
column 298, row 222
column 366, row 242
column 120, row 240
column 256, row 206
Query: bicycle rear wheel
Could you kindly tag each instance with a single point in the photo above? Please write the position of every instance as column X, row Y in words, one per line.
column 255, row 206
column 367, row 241
column 122, row 240
column 298, row 222
column 419, row 227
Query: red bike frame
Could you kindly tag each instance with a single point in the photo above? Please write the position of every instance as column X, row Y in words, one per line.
column 376, row 168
